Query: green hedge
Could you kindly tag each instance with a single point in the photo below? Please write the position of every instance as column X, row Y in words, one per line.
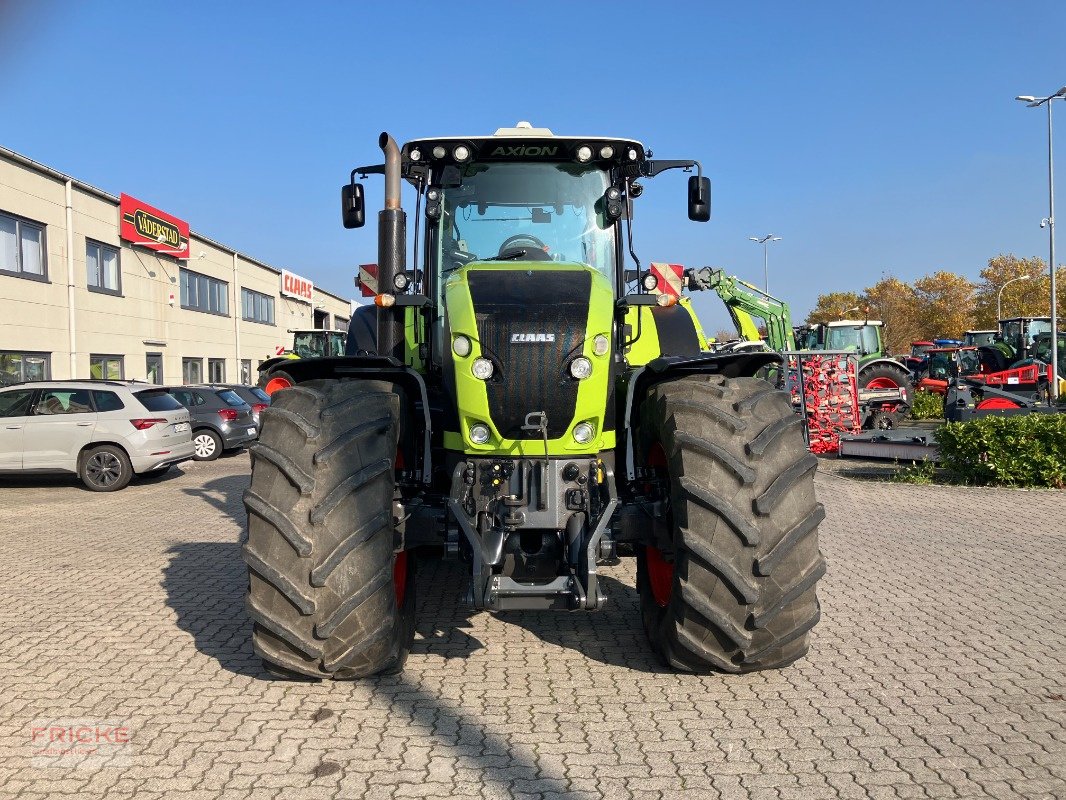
column 1011, row 451
column 927, row 405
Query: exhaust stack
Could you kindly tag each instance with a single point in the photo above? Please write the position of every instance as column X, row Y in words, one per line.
column 392, row 251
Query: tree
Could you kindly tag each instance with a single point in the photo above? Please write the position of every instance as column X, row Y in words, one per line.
column 896, row 304
column 1023, row 298
column 832, row 306
column 723, row 335
column 944, row 304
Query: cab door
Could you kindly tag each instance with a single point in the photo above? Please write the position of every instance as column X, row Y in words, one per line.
column 62, row 424
column 14, row 414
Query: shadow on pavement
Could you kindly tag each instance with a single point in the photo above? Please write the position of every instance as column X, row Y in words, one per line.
column 225, row 494
column 205, row 584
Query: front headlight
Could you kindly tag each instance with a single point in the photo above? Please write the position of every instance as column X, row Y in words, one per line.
column 482, row 368
column 601, row 344
column 580, row 368
column 461, row 346
column 583, row 433
column 479, row 434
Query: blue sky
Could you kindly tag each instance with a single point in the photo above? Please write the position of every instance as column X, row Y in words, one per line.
column 873, row 138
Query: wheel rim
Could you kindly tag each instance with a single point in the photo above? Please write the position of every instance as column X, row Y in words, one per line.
column 660, row 571
column 882, row 383
column 204, row 445
column 660, row 576
column 399, row 577
column 104, row 469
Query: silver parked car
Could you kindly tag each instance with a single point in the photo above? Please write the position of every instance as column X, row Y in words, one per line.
column 103, row 431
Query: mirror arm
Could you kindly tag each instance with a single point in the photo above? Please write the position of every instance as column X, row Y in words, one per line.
column 373, row 169
column 651, row 168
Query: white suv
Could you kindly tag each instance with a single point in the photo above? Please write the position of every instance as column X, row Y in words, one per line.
column 103, row 431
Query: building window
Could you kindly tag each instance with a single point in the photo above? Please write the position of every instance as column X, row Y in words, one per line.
column 101, row 261
column 216, row 370
column 22, row 248
column 153, row 365
column 246, row 372
column 201, row 293
column 192, row 370
column 106, row 367
column 340, row 323
column 257, row 307
column 17, row 367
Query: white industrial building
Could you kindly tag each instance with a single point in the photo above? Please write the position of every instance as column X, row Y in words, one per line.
column 94, row 285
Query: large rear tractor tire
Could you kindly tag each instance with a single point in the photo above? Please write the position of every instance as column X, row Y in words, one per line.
column 328, row 596
column 734, row 588
column 884, row 376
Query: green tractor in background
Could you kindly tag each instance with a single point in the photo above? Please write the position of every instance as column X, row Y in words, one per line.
column 877, row 370
column 527, row 403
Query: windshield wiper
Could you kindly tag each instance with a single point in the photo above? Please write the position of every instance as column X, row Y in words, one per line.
column 510, row 255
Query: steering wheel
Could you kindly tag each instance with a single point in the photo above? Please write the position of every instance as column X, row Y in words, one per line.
column 536, row 250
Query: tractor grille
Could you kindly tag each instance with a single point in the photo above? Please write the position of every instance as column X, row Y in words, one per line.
column 531, row 375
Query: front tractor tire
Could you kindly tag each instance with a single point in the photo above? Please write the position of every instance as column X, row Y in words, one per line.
column 328, row 596
column 734, row 588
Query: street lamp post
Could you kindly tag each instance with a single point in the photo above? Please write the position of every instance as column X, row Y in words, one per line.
column 999, row 297
column 765, row 242
column 1035, row 102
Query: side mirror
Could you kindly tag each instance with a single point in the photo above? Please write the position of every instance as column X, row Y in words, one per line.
column 699, row 198
column 353, row 212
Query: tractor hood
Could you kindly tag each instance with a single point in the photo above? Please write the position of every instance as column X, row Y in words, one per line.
column 530, row 321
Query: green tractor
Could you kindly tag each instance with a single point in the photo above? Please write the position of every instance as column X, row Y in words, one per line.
column 311, row 343
column 531, row 405
column 876, row 369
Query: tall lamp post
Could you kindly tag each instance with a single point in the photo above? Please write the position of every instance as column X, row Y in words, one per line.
column 765, row 242
column 1035, row 102
column 999, row 297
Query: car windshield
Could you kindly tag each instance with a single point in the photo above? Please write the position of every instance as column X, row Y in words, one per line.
column 556, row 210
column 230, row 398
column 158, row 400
column 920, row 349
column 259, row 394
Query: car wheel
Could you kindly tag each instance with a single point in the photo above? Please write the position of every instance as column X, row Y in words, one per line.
column 105, row 469
column 207, row 446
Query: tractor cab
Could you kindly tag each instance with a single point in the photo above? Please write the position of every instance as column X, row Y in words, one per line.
column 1019, row 334
column 318, row 343
column 979, row 338
column 860, row 336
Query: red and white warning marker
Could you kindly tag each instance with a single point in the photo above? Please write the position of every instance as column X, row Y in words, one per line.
column 368, row 280
column 671, row 278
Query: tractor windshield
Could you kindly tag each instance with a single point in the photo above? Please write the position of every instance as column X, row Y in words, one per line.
column 524, row 211
column 861, row 338
column 317, row 344
column 941, row 365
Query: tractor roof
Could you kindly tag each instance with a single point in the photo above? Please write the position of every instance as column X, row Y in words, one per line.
column 520, row 143
column 854, row 323
column 524, row 130
column 983, row 331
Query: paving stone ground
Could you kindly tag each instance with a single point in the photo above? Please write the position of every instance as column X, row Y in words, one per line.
column 937, row 671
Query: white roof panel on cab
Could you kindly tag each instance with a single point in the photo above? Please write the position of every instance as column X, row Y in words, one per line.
column 525, row 130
